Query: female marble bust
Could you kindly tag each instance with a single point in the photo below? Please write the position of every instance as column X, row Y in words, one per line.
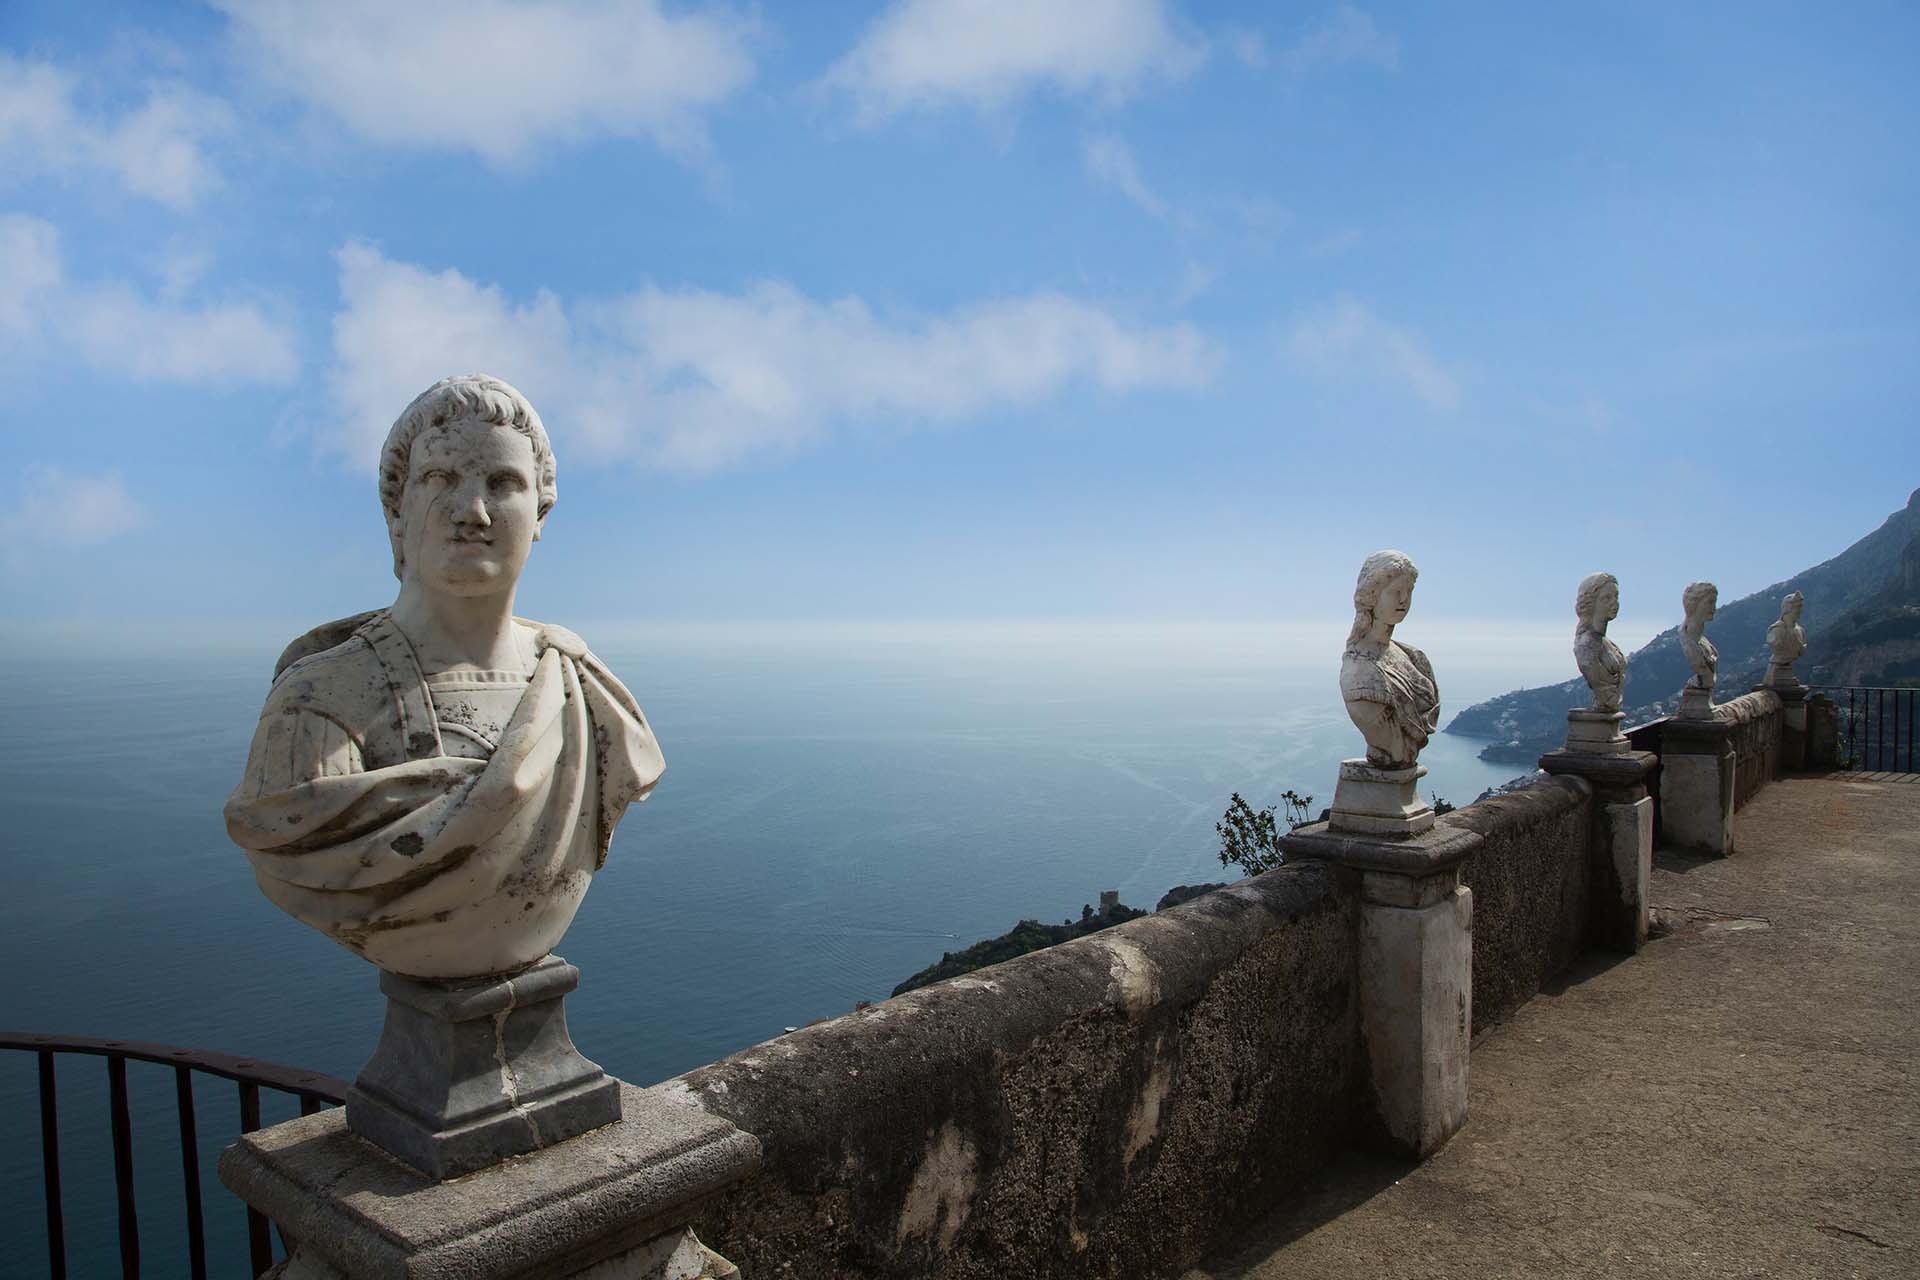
column 1700, row 599
column 1388, row 686
column 1787, row 639
column 1597, row 603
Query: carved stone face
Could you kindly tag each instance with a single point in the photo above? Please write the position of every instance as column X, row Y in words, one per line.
column 1606, row 603
column 469, row 513
column 1395, row 599
column 1790, row 610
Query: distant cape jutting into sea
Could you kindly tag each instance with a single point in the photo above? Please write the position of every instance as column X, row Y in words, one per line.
column 1863, row 627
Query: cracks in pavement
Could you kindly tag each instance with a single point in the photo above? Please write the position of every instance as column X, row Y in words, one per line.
column 1844, row 1232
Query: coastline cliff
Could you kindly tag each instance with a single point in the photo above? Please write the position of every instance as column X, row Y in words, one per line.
column 1863, row 611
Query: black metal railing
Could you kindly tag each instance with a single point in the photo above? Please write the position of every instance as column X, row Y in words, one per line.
column 312, row 1089
column 1876, row 727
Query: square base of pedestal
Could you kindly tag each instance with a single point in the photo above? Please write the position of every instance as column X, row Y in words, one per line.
column 1596, row 733
column 1379, row 802
column 1695, row 704
column 467, row 1074
column 449, row 1150
column 617, row 1202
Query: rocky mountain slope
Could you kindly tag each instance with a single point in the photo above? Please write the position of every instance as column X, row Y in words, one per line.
column 1863, row 627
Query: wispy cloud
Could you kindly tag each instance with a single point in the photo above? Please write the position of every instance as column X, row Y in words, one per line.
column 1248, row 46
column 1348, row 34
column 989, row 53
column 157, row 149
column 117, row 330
column 500, row 78
column 62, row 508
column 693, row 379
column 1348, row 340
column 1111, row 161
column 29, row 271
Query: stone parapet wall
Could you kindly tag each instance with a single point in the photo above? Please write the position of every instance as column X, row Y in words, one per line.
column 1106, row 1107
column 1757, row 723
column 1531, row 878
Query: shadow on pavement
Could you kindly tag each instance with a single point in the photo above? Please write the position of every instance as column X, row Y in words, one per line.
column 1342, row 1186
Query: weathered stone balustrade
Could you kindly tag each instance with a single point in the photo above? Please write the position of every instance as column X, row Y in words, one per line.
column 1111, row 1106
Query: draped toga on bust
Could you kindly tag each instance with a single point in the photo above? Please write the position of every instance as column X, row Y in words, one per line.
column 416, row 822
column 1400, row 681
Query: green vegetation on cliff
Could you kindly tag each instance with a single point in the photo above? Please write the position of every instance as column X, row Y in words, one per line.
column 1028, row 935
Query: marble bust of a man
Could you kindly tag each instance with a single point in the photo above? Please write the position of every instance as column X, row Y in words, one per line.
column 1699, row 601
column 1786, row 640
column 1602, row 664
column 433, row 784
column 1388, row 687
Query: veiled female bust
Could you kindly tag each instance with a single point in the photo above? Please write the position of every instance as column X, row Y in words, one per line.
column 1604, row 667
column 1388, row 687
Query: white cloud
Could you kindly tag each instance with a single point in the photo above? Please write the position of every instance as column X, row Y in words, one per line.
column 498, row 77
column 29, row 271
column 118, row 331
column 1348, row 340
column 1111, row 161
column 1345, row 35
column 220, row 344
column 987, row 53
column 156, row 150
column 694, row 379
column 1195, row 279
column 59, row 507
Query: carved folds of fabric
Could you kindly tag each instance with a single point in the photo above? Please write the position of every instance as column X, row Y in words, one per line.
column 359, row 823
column 1399, row 680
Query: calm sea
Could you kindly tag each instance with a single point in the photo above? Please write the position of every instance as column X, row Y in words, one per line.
column 841, row 805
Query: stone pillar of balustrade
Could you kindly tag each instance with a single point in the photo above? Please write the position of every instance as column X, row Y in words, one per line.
column 1787, row 643
column 1696, row 746
column 1416, row 971
column 1697, row 785
column 1620, row 845
column 1621, row 841
column 1416, row 918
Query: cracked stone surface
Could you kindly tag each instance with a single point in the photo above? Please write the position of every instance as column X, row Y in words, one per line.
column 1742, row 1098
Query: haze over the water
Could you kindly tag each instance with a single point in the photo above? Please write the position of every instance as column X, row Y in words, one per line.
column 916, row 309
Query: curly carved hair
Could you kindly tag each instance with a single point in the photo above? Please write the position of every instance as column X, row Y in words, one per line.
column 1697, row 594
column 1379, row 569
column 472, row 397
column 1589, row 591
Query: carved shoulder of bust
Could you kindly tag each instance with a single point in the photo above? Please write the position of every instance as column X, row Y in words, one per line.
column 344, row 684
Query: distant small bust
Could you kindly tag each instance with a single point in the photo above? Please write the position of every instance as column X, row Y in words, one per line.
column 1389, row 687
column 433, row 784
column 1601, row 662
column 1699, row 600
column 1787, row 640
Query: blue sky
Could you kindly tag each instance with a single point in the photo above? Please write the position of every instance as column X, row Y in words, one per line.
column 926, row 309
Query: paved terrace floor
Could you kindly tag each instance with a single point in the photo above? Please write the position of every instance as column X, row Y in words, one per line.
column 1737, row 1100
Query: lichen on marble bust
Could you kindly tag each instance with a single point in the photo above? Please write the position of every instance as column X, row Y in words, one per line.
column 1699, row 600
column 1786, row 641
column 433, row 784
column 1601, row 663
column 1388, row 687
